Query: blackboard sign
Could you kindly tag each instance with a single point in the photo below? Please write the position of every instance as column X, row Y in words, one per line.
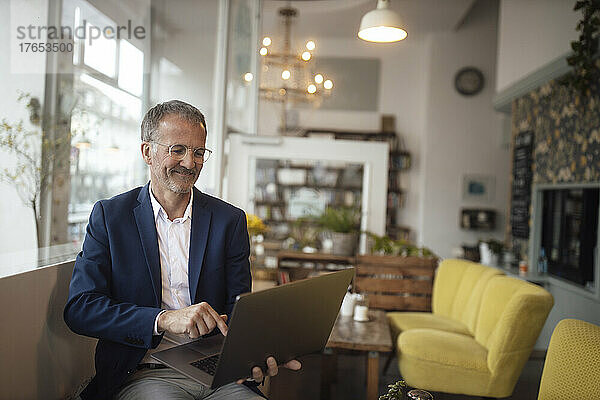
column 522, row 178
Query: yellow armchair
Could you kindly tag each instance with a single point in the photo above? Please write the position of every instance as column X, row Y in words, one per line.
column 572, row 367
column 488, row 363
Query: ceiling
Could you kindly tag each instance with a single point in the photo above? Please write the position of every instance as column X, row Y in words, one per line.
column 341, row 18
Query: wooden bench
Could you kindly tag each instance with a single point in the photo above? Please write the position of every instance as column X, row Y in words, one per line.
column 396, row 283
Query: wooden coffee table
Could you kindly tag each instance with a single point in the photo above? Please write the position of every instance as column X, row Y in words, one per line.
column 372, row 337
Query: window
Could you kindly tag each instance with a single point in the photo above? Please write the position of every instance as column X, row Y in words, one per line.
column 131, row 68
column 108, row 85
column 570, row 233
column 100, row 54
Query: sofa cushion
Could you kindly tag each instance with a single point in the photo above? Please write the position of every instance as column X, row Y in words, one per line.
column 445, row 348
column 457, row 290
column 443, row 361
column 404, row 321
column 438, row 377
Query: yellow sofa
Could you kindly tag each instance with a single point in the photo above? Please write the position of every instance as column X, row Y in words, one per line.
column 479, row 335
column 456, row 296
column 488, row 363
column 572, row 367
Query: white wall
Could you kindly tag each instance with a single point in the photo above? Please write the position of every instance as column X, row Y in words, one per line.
column 18, row 242
column 403, row 94
column 185, row 35
column 463, row 135
column 532, row 33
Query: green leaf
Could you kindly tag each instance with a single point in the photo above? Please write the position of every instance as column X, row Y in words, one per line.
column 340, row 219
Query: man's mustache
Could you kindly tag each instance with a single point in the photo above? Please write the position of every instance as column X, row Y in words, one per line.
column 184, row 171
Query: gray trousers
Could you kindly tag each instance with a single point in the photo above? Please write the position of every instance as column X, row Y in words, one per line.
column 169, row 384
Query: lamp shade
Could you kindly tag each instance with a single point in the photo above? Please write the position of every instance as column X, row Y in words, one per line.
column 381, row 25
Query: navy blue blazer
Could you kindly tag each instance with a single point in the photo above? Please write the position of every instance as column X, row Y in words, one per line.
column 115, row 291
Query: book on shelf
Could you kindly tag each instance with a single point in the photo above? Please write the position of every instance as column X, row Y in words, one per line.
column 284, row 277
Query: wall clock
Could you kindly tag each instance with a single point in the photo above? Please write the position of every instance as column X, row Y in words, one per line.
column 469, row 81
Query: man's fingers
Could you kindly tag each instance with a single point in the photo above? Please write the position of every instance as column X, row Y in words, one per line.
column 193, row 331
column 221, row 323
column 272, row 368
column 202, row 328
column 294, row 365
column 257, row 374
column 195, row 320
column 209, row 321
column 218, row 319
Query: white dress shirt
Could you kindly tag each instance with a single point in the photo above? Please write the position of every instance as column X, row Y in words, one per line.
column 174, row 249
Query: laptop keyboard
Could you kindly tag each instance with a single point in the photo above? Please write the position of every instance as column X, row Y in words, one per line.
column 208, row 365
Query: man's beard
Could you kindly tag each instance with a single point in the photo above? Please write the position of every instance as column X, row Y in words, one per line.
column 173, row 185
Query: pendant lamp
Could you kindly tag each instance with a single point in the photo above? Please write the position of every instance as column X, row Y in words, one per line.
column 381, row 25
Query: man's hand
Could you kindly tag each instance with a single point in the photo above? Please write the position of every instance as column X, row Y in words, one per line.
column 272, row 369
column 195, row 321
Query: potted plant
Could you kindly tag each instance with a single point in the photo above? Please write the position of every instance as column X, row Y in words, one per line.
column 395, row 391
column 256, row 230
column 343, row 225
column 304, row 235
column 256, row 226
column 490, row 251
column 37, row 155
column 384, row 245
column 584, row 60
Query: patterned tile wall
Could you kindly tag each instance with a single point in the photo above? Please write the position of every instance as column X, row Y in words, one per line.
column 567, row 132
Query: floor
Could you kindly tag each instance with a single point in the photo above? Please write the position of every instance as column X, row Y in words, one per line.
column 350, row 385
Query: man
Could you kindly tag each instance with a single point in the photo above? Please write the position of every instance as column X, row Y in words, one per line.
column 161, row 258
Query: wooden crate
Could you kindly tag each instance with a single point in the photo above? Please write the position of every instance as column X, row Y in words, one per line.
column 396, row 283
column 264, row 274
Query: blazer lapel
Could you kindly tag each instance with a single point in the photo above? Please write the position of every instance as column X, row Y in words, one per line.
column 201, row 217
column 144, row 218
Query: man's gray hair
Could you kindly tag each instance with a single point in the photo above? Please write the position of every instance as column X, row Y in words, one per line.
column 159, row 111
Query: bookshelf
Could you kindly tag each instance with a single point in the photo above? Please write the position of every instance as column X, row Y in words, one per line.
column 399, row 163
column 278, row 182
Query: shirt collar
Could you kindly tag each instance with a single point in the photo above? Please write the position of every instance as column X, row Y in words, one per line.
column 158, row 209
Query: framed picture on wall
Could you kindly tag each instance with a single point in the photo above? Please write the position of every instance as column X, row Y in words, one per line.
column 478, row 188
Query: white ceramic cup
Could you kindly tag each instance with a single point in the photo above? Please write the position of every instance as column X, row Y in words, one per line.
column 361, row 313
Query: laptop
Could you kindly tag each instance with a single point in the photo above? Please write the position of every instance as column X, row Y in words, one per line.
column 285, row 322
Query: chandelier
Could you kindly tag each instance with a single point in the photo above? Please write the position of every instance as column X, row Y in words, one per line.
column 288, row 77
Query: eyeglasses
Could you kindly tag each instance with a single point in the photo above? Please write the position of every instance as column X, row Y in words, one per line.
column 179, row 151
